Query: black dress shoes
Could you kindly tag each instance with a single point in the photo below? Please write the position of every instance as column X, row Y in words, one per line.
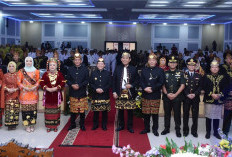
column 94, row 127
column 194, row 134
column 178, row 134
column 185, row 133
column 165, row 131
column 82, row 128
column 72, row 127
column 104, row 128
column 131, row 130
column 217, row 136
column 207, row 136
column 119, row 128
column 155, row 132
column 144, row 131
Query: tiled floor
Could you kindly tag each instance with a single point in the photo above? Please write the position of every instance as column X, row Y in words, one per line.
column 41, row 139
column 156, row 141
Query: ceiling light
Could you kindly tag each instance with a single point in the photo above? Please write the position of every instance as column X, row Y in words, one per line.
column 223, row 6
column 59, row 22
column 67, row 14
column 160, row 2
column 76, row 1
column 70, row 16
column 48, row 3
column 228, row 3
column 212, row 24
column 164, row 23
column 196, row 2
column 49, row 16
column 134, row 23
column 82, row 22
column 44, row 1
column 110, row 23
column 185, row 24
column 81, row 4
column 31, row 21
column 44, row 14
column 191, row 5
column 157, row 5
column 18, row 3
column 11, row 0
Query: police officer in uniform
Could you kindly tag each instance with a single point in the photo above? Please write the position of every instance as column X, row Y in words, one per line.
column 172, row 96
column 100, row 82
column 192, row 91
column 125, row 79
column 77, row 80
column 151, row 80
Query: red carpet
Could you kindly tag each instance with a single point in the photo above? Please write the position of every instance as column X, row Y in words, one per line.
column 97, row 137
column 137, row 141
column 83, row 152
column 98, row 143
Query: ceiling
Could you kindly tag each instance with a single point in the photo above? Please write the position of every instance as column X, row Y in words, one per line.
column 124, row 11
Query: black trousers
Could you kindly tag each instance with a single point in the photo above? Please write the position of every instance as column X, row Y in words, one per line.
column 73, row 119
column 168, row 106
column 155, row 119
column 215, row 125
column 96, row 118
column 194, row 105
column 121, row 122
column 227, row 121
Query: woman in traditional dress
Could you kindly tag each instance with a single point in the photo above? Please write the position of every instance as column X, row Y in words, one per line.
column 28, row 82
column 52, row 83
column 9, row 97
column 163, row 63
column 1, row 105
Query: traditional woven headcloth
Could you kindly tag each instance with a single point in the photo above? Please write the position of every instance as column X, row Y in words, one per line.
column 152, row 55
column 172, row 59
column 77, row 54
column 55, row 61
column 100, row 59
column 214, row 63
column 191, row 61
column 126, row 54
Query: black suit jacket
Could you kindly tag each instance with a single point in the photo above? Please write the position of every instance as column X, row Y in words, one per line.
column 118, row 78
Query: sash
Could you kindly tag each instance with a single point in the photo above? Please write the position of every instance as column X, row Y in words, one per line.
column 28, row 78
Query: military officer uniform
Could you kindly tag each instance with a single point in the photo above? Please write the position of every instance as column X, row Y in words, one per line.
column 100, row 102
column 78, row 98
column 173, row 81
column 151, row 77
column 193, row 85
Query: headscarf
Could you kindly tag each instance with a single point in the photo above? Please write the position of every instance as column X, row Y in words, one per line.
column 29, row 69
column 12, row 62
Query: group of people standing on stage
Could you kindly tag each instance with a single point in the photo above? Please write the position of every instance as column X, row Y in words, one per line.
column 21, row 89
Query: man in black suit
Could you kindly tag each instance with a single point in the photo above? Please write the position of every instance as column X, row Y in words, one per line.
column 125, row 79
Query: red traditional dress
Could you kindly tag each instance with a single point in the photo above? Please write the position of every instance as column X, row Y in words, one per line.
column 52, row 100
column 10, row 101
column 165, row 68
column 1, row 105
